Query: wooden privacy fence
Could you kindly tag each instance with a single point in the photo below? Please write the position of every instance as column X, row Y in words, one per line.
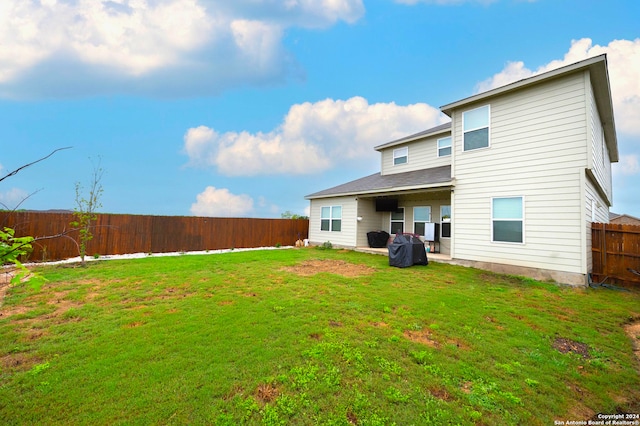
column 616, row 252
column 122, row 234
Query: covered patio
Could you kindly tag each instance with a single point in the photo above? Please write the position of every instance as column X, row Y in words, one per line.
column 435, row 257
column 416, row 202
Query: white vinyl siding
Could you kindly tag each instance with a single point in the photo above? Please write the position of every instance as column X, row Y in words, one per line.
column 600, row 163
column 370, row 220
column 596, row 207
column 538, row 150
column 423, row 153
column 596, row 210
column 347, row 235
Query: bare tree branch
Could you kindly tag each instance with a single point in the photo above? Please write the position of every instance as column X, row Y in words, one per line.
column 15, row 172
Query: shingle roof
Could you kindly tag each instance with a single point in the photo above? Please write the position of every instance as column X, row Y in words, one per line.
column 432, row 131
column 614, row 216
column 386, row 183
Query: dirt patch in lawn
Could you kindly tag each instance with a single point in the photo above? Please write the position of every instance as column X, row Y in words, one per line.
column 266, row 393
column 13, row 310
column 18, row 361
column 338, row 267
column 421, row 336
column 633, row 331
column 567, row 345
column 440, row 393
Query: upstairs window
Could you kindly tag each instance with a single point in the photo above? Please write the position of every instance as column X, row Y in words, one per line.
column 400, row 156
column 444, row 147
column 331, row 218
column 475, row 124
column 508, row 220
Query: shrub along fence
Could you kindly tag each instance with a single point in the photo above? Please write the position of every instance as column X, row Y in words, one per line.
column 122, row 234
column 615, row 251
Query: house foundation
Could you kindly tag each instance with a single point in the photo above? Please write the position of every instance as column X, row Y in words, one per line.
column 566, row 278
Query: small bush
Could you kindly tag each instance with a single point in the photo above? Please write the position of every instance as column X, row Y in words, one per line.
column 325, row 246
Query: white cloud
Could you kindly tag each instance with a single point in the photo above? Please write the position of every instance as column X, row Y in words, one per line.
column 623, row 58
column 312, row 138
column 216, row 202
column 12, row 198
column 132, row 37
column 303, row 13
column 65, row 46
column 258, row 42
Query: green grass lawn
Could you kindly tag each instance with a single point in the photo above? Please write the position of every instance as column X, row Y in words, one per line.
column 309, row 337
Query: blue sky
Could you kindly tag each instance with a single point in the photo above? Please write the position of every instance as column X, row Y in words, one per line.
column 242, row 107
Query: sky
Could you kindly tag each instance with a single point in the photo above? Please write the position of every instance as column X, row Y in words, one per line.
column 240, row 108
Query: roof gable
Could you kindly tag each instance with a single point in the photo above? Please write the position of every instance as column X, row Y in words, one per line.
column 442, row 128
column 599, row 76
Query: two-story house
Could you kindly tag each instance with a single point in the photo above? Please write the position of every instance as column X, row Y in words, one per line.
column 514, row 181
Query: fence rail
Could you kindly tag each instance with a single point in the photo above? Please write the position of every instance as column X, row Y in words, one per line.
column 615, row 252
column 122, row 234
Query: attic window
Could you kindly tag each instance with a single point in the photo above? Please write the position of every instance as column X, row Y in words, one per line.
column 400, row 156
column 475, row 124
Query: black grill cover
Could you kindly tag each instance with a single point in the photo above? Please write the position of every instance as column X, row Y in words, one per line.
column 407, row 250
column 377, row 239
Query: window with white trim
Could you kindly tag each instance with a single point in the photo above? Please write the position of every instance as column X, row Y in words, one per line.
column 331, row 218
column 444, row 147
column 400, row 156
column 445, row 221
column 475, row 126
column 421, row 216
column 507, row 216
column 397, row 221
